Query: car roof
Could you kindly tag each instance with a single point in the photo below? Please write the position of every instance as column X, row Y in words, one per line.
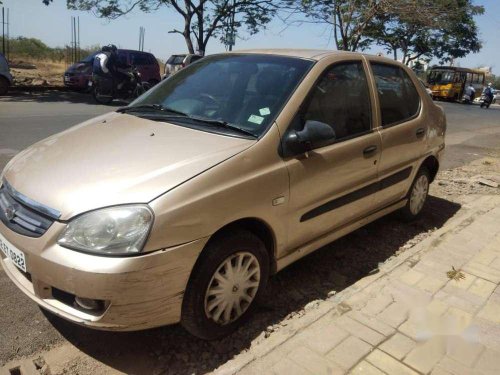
column 312, row 54
column 133, row 50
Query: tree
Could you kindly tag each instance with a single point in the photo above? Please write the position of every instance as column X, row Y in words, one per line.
column 350, row 18
column 203, row 19
column 449, row 33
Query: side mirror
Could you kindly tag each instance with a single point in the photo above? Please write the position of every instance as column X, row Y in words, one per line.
column 315, row 134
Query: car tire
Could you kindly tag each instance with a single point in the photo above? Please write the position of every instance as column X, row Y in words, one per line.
column 224, row 258
column 4, row 86
column 417, row 196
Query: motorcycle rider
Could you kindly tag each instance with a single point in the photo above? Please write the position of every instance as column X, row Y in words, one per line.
column 488, row 93
column 107, row 63
column 469, row 93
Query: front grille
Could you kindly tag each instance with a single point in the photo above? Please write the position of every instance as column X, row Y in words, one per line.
column 18, row 214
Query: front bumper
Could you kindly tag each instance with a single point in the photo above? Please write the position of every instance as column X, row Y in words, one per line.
column 77, row 81
column 139, row 292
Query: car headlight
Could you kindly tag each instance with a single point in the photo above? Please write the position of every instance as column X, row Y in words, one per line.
column 117, row 230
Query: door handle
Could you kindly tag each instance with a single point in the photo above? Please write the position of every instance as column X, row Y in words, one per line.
column 369, row 150
column 420, row 132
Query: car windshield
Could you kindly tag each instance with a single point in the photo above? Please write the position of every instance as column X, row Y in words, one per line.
column 441, row 76
column 245, row 91
column 89, row 58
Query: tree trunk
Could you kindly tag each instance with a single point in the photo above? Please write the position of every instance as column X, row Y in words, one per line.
column 187, row 34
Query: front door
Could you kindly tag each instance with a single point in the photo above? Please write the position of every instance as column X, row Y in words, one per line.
column 334, row 184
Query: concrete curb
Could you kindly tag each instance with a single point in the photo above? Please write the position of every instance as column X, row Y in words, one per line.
column 466, row 216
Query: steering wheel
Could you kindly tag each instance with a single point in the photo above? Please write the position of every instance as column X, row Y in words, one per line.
column 212, row 100
column 211, row 104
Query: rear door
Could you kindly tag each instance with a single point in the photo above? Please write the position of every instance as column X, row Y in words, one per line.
column 149, row 71
column 334, row 184
column 401, row 128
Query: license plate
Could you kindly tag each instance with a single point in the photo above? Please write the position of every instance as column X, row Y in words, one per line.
column 16, row 256
column 89, row 83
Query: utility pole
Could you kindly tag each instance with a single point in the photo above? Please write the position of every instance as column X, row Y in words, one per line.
column 232, row 37
column 8, row 34
column 3, row 30
column 70, row 59
column 142, row 32
column 79, row 57
column 74, row 39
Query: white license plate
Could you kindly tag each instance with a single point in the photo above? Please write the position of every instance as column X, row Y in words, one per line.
column 89, row 83
column 16, row 256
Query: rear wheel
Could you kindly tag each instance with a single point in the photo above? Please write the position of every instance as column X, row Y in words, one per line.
column 417, row 196
column 228, row 278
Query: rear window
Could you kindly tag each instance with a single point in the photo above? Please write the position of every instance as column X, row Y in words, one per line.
column 176, row 59
column 398, row 97
column 195, row 58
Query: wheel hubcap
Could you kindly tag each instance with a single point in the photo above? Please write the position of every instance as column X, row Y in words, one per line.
column 419, row 194
column 232, row 288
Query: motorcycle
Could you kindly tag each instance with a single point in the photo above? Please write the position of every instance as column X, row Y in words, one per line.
column 105, row 89
column 485, row 101
column 467, row 99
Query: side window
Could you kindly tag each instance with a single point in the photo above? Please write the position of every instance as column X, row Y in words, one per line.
column 341, row 99
column 151, row 60
column 122, row 57
column 398, row 97
column 140, row 59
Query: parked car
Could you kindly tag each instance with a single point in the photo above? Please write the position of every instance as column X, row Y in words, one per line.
column 178, row 207
column 5, row 76
column 78, row 75
column 177, row 62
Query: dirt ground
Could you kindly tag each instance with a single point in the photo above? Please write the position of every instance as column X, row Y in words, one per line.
column 46, row 73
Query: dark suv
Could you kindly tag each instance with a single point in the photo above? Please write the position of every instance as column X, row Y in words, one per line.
column 78, row 75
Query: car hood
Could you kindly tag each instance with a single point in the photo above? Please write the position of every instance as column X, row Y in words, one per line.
column 77, row 67
column 115, row 159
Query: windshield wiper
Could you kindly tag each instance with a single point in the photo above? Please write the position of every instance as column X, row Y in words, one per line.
column 155, row 107
column 222, row 124
column 160, row 108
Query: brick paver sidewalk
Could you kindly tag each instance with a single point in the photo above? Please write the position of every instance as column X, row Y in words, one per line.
column 410, row 318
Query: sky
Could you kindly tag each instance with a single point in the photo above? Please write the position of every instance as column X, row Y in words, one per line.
column 52, row 24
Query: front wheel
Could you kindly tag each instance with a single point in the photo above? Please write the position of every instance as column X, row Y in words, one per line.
column 99, row 96
column 417, row 196
column 229, row 277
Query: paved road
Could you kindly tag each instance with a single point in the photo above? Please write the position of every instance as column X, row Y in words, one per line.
column 24, row 119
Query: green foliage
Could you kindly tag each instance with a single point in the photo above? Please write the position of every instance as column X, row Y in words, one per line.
column 203, row 19
column 446, row 30
column 415, row 29
column 35, row 49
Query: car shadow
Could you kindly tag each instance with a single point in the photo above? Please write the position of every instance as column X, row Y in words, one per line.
column 334, row 267
column 56, row 96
